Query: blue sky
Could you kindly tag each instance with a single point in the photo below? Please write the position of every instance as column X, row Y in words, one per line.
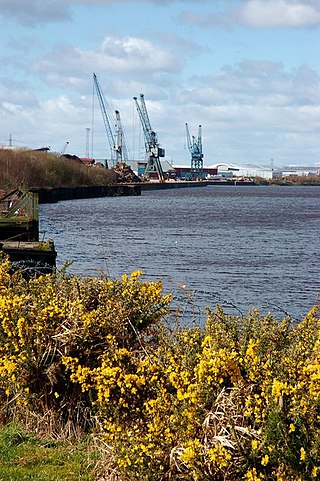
column 248, row 71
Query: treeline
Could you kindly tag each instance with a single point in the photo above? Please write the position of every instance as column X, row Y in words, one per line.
column 47, row 170
column 238, row 399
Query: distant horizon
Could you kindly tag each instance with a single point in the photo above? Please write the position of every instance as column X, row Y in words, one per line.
column 186, row 164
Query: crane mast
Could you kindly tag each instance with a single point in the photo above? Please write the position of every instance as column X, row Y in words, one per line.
column 153, row 150
column 195, row 148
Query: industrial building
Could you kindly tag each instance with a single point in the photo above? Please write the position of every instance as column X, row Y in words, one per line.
column 247, row 171
column 296, row 171
column 227, row 171
column 185, row 171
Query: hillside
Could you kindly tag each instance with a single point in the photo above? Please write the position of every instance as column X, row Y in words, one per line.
column 39, row 169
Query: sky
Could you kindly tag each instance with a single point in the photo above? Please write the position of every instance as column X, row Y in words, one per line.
column 247, row 71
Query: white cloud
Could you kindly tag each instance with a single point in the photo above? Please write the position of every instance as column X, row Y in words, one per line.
column 129, row 53
column 258, row 14
column 280, row 13
column 254, row 13
column 256, row 83
column 254, row 108
column 117, row 56
column 32, row 12
column 249, row 109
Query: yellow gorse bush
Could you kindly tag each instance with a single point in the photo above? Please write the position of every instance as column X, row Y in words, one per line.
column 47, row 320
column 236, row 400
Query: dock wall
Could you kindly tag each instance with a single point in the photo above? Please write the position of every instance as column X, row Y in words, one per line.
column 51, row 195
column 188, row 184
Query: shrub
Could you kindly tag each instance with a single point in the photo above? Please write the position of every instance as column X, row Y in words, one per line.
column 237, row 399
column 53, row 318
column 38, row 169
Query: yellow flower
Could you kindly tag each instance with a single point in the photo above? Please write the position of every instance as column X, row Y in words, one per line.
column 303, row 454
column 292, row 428
column 252, row 475
column 315, row 471
column 188, row 455
column 254, row 444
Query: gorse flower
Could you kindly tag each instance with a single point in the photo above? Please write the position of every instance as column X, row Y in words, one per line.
column 236, row 399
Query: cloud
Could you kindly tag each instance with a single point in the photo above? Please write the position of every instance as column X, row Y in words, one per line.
column 259, row 14
column 130, row 53
column 32, row 12
column 227, row 13
column 248, row 111
column 16, row 94
column 280, row 13
column 256, row 84
column 245, row 107
column 134, row 56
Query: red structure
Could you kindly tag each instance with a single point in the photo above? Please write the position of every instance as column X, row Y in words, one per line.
column 183, row 171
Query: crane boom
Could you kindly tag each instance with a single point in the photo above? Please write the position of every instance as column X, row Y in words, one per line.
column 149, row 133
column 153, row 150
column 117, row 144
column 120, row 145
column 64, row 148
column 189, row 143
column 104, row 115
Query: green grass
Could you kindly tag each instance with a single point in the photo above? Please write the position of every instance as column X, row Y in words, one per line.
column 25, row 458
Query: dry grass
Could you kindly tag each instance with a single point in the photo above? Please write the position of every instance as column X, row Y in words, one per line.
column 38, row 169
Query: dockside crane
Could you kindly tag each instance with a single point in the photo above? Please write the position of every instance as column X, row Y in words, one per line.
column 120, row 139
column 195, row 148
column 118, row 150
column 153, row 150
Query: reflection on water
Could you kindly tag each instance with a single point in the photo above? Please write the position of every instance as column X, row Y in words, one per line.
column 240, row 247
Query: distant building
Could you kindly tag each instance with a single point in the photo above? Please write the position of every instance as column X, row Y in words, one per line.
column 184, row 171
column 227, row 171
column 296, row 171
column 248, row 171
column 139, row 167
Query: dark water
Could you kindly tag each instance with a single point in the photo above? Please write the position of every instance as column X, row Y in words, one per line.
column 240, row 247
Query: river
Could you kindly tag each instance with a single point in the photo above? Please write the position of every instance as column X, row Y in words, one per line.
column 237, row 246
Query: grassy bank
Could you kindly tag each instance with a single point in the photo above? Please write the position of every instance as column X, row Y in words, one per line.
column 25, row 457
column 39, row 169
column 107, row 360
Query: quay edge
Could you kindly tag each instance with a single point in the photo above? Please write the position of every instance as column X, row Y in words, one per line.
column 56, row 194
column 190, row 184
